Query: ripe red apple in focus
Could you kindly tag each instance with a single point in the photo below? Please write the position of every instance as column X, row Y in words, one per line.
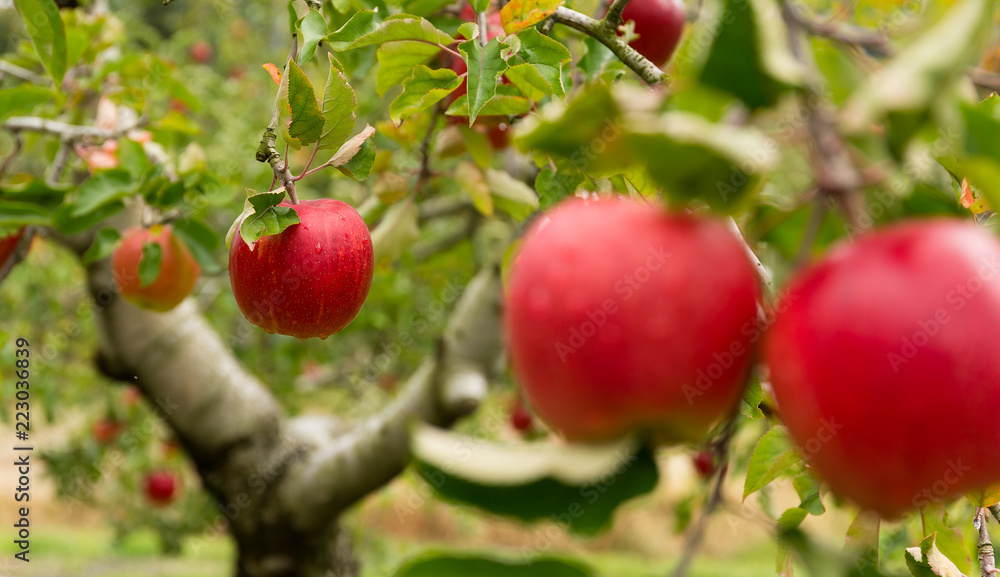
column 622, row 316
column 178, row 270
column 161, row 487
column 882, row 364
column 311, row 279
column 106, row 431
column 659, row 24
column 8, row 245
column 201, row 51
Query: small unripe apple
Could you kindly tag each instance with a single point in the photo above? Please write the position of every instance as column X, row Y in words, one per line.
column 311, row 279
column 883, row 369
column 8, row 245
column 160, row 486
column 201, row 51
column 659, row 24
column 106, row 430
column 621, row 316
column 178, row 270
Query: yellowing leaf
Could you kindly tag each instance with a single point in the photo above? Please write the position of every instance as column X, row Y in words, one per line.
column 985, row 497
column 520, row 14
column 275, row 73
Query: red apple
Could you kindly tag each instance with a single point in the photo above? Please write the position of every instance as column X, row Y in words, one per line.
column 659, row 24
column 8, row 244
column 882, row 364
column 312, row 278
column 520, row 418
column 201, row 51
column 704, row 464
column 106, row 430
column 622, row 316
column 178, row 270
column 161, row 487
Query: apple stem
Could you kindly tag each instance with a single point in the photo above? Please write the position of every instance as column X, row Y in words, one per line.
column 607, row 35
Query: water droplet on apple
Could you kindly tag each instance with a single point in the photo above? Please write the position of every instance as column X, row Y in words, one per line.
column 319, row 248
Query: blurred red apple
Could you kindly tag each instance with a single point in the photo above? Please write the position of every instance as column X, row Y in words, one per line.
column 106, row 430
column 201, row 51
column 8, row 245
column 883, row 369
column 311, row 279
column 621, row 316
column 178, row 270
column 160, row 486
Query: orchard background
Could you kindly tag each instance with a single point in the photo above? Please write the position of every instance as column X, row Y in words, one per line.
column 194, row 435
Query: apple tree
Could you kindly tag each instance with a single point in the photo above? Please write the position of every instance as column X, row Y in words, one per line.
column 672, row 227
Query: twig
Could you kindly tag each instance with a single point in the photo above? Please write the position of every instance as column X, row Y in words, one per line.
column 308, row 162
column 60, row 162
column 762, row 273
column 65, row 131
column 987, row 563
column 608, row 36
column 266, row 151
column 985, row 79
column 809, row 236
column 22, row 73
column 614, row 16
column 18, row 144
column 843, row 33
column 697, row 531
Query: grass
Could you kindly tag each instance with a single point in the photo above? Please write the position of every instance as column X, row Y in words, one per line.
column 71, row 552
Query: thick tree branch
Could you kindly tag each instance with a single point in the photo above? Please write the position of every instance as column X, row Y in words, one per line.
column 608, row 36
column 447, row 386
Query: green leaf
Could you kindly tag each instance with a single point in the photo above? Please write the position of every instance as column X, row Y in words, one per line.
column 397, row 27
column 312, row 29
column 772, row 456
column 579, row 486
column 511, row 195
column 468, row 565
column 104, row 244
column 927, row 560
column 22, row 99
column 47, row 33
column 596, row 58
column 468, row 30
column 339, row 106
column 265, row 218
column 478, row 145
column 396, row 61
column 548, row 55
column 425, row 88
column 471, row 180
column 300, row 118
column 103, row 188
column 15, row 214
column 479, row 6
column 717, row 163
column 354, row 147
column 906, row 89
column 149, row 263
column 360, row 164
column 570, row 131
column 750, row 57
column 949, row 540
column 752, row 397
column 807, row 487
column 555, row 185
column 485, row 69
column 517, row 15
column 200, row 239
column 363, row 22
column 862, row 541
column 792, row 518
column 65, row 222
column 396, row 232
column 529, row 81
column 503, row 104
column 991, row 106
